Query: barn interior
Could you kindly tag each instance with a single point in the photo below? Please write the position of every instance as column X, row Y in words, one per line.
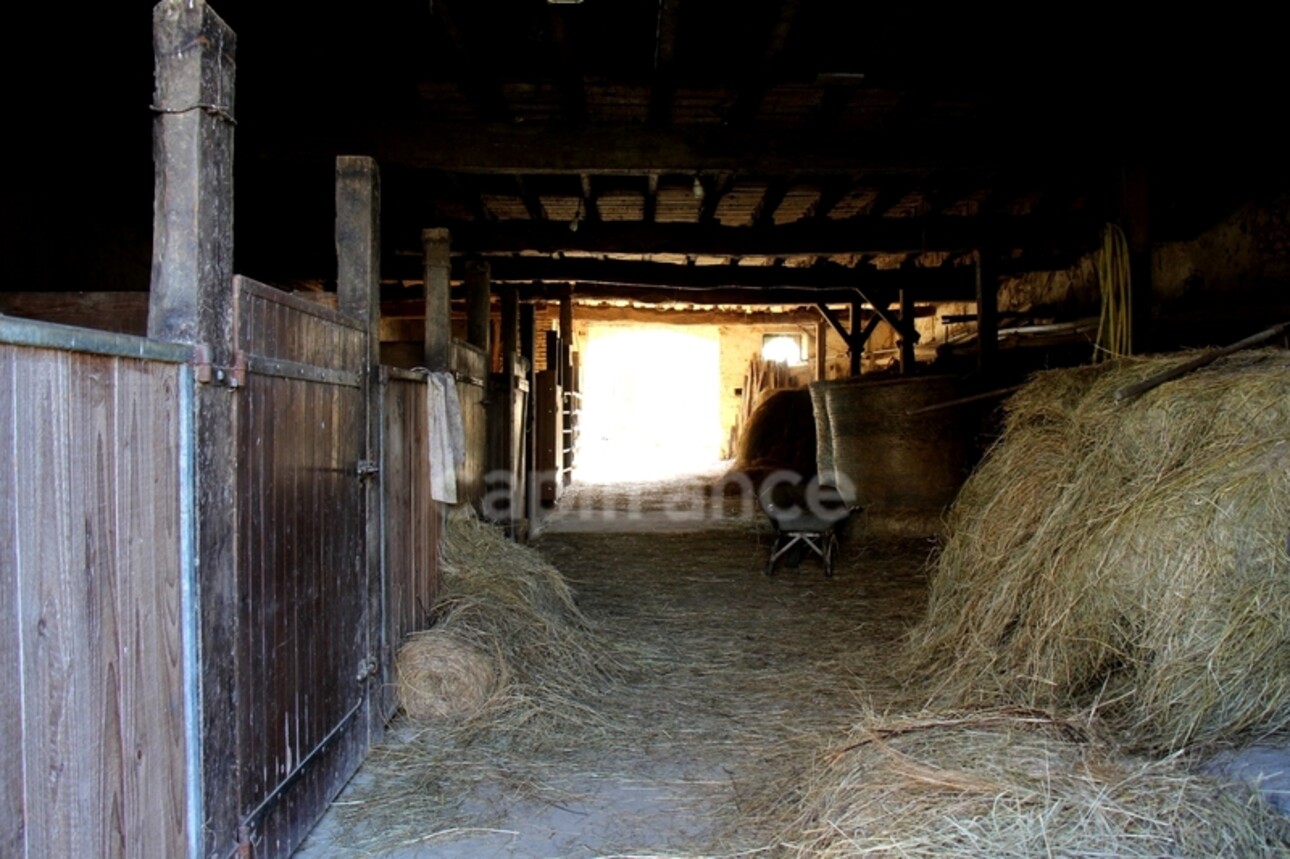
column 565, row 286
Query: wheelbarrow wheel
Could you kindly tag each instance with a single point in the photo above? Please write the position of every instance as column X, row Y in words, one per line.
column 770, row 561
column 830, row 553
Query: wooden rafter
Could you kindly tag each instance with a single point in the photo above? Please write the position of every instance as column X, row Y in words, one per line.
column 590, row 211
column 573, row 90
column 531, row 202
column 760, row 75
column 713, row 190
column 764, row 216
column 957, row 284
column 478, row 80
column 660, row 103
column 862, row 235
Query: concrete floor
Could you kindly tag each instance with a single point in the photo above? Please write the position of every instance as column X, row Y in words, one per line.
column 738, row 666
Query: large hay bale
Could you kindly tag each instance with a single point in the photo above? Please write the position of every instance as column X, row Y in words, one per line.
column 1127, row 556
column 1015, row 783
column 442, row 677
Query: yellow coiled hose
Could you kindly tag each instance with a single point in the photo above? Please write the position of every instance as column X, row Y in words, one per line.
column 1115, row 328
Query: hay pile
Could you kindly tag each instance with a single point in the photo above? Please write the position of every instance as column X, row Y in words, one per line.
column 780, row 435
column 1014, row 783
column 1127, row 557
column 509, row 650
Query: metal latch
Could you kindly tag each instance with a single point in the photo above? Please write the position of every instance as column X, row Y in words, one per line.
column 207, row 373
column 366, row 669
column 367, row 468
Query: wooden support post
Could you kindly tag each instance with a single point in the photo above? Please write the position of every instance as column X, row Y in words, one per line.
column 477, row 303
column 528, row 350
column 438, row 337
column 501, row 417
column 510, row 325
column 358, row 294
column 907, row 360
column 566, row 341
column 987, row 314
column 857, row 349
column 821, row 350
column 191, row 301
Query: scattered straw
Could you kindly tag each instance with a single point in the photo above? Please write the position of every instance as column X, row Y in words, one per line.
column 1011, row 782
column 1128, row 557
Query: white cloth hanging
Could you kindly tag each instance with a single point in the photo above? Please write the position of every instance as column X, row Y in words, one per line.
column 447, row 442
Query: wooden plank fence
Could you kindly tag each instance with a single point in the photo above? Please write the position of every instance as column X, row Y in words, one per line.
column 97, row 694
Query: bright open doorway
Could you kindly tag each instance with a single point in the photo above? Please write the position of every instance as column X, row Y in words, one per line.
column 650, row 401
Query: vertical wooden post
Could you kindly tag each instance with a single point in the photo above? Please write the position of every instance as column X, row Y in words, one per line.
column 566, row 340
column 438, row 335
column 478, row 287
column 987, row 314
column 822, row 350
column 528, row 350
column 358, row 294
column 510, row 326
column 191, row 301
column 501, row 417
column 907, row 360
column 857, row 347
column 1137, row 229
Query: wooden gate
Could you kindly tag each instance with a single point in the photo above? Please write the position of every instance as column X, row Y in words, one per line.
column 304, row 659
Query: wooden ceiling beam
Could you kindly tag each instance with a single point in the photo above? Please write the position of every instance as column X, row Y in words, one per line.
column 531, row 203
column 607, row 149
column 861, row 235
column 651, row 294
column 837, row 283
column 660, row 101
column 590, row 211
column 714, row 188
column 651, row 198
column 573, row 89
column 830, row 196
column 764, row 216
column 761, row 74
column 477, row 80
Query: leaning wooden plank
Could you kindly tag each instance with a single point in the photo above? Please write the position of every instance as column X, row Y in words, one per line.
column 1129, row 392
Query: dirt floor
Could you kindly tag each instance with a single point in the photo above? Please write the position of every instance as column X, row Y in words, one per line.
column 733, row 680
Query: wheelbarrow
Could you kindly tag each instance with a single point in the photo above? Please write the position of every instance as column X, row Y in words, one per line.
column 806, row 518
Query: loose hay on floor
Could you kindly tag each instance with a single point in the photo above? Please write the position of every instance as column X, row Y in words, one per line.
column 1127, row 557
column 1018, row 783
column 510, row 672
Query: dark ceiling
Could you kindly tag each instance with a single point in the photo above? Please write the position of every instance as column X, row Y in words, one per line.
column 768, row 143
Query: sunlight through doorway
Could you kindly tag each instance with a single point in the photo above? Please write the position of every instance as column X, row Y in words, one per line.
column 650, row 402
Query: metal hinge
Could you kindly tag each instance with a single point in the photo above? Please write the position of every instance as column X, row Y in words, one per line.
column 367, row 468
column 366, row 669
column 207, row 373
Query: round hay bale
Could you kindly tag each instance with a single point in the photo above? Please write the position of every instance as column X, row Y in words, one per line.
column 442, row 677
column 887, row 461
column 823, row 435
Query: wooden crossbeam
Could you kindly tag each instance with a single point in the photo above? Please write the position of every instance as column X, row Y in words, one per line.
column 861, row 235
column 830, row 317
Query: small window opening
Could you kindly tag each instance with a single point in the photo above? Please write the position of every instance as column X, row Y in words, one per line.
column 785, row 348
